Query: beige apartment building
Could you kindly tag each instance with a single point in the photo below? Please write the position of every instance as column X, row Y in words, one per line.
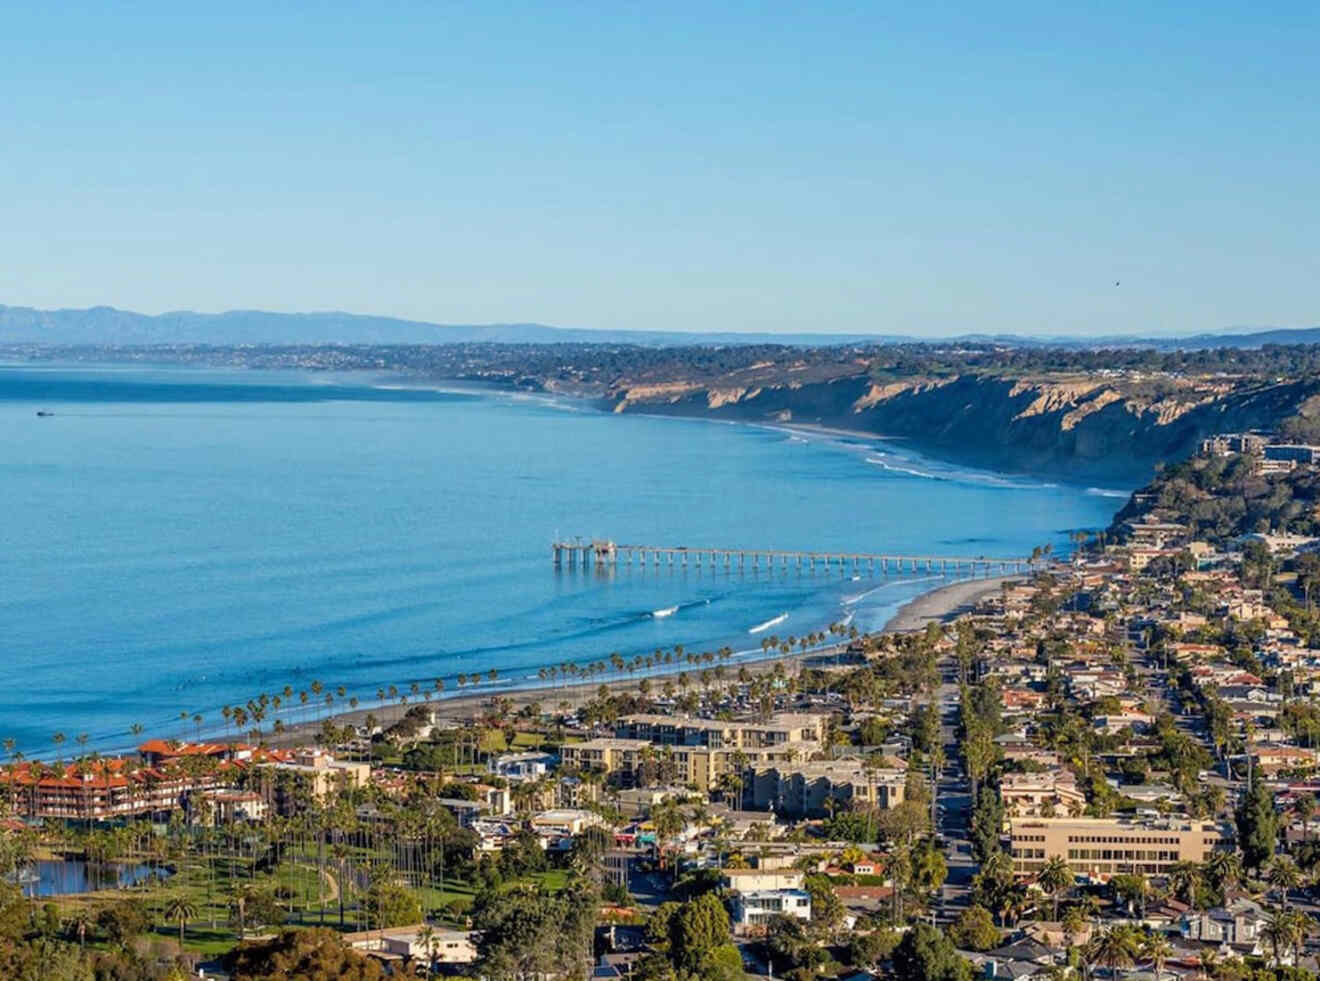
column 1112, row 846
column 697, row 766
column 605, row 755
column 809, row 788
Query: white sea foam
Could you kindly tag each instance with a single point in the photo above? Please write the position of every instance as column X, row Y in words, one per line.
column 1105, row 492
column 850, row 600
column 668, row 611
column 775, row 621
column 907, row 470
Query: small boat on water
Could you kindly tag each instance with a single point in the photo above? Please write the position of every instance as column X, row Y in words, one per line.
column 43, row 413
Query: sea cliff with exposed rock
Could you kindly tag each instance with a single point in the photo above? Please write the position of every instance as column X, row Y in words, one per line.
column 1085, row 429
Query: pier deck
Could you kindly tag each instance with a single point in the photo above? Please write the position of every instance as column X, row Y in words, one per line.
column 602, row 552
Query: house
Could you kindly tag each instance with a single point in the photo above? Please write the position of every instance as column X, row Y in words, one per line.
column 416, row 943
column 757, row 907
column 522, row 766
column 233, row 806
column 761, row 880
column 565, row 821
column 1239, row 924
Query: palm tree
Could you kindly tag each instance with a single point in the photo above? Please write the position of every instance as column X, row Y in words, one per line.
column 1056, row 878
column 1185, row 881
column 1155, row 947
column 1279, row 931
column 1283, row 876
column 1115, row 948
column 181, row 909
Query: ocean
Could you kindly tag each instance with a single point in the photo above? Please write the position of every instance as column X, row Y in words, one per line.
column 178, row 539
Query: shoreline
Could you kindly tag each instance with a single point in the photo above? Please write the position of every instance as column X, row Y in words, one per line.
column 942, row 604
column 945, row 603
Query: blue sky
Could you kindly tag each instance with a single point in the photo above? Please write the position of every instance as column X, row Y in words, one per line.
column 918, row 168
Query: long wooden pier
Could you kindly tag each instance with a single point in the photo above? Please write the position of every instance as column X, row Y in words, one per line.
column 602, row 552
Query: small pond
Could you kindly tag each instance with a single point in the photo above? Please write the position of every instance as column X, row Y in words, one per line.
column 55, row 877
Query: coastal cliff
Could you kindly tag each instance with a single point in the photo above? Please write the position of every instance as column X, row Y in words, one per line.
column 1078, row 428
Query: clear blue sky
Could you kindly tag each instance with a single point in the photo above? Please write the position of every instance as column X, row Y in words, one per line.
column 914, row 168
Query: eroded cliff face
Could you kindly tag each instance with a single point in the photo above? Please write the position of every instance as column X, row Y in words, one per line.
column 1082, row 428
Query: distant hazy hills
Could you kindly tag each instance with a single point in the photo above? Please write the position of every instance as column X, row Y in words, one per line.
column 107, row 326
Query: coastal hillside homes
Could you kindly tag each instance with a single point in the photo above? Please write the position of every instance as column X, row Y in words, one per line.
column 1053, row 792
column 1123, row 722
column 1021, row 701
column 812, row 788
column 1103, row 847
column 1275, row 758
column 667, row 730
column 1145, row 533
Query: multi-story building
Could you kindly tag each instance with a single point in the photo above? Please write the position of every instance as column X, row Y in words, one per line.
column 756, row 909
column 606, row 755
column 669, row 730
column 309, row 774
column 1101, row 847
column 1052, row 792
column 696, row 765
column 102, row 790
column 809, row 788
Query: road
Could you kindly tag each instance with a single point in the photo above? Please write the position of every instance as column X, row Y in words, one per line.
column 954, row 801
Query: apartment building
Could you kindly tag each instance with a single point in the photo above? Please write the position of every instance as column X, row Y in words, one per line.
column 1101, row 847
column 697, row 765
column 606, row 755
column 668, row 730
column 809, row 788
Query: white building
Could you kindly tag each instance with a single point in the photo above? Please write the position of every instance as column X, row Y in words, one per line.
column 759, row 907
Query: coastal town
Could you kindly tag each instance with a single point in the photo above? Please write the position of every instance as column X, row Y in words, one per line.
column 1108, row 767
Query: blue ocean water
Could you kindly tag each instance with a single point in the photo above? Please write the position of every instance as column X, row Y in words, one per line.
column 174, row 540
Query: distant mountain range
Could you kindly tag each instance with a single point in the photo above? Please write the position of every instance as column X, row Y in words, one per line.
column 109, row 327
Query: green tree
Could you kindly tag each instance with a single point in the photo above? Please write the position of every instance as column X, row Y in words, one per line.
column 180, row 909
column 1056, row 878
column 123, row 920
column 1115, row 948
column 926, row 954
column 975, row 930
column 987, row 825
column 695, row 931
column 316, row 955
column 1257, row 824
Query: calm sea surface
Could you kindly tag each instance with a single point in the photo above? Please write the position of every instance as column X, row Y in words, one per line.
column 175, row 540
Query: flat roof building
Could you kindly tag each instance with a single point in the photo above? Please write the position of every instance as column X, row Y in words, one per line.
column 1102, row 847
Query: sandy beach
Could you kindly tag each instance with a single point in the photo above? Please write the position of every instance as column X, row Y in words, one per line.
column 946, row 603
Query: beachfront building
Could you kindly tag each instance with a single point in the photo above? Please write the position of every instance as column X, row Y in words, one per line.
column 813, row 788
column 102, row 790
column 1102, row 847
